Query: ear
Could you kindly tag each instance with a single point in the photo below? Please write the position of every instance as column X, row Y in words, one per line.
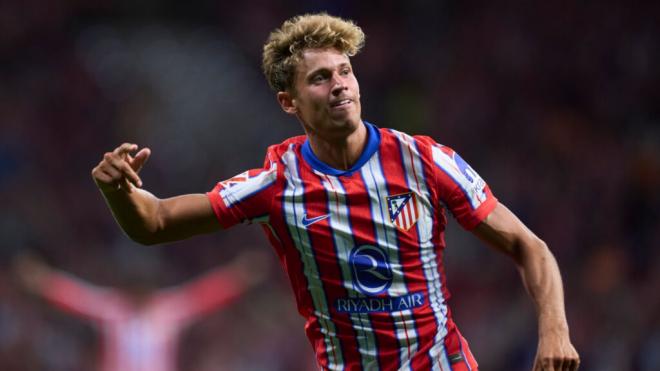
column 287, row 102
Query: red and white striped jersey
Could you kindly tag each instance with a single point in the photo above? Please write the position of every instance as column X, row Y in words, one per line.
column 143, row 338
column 363, row 247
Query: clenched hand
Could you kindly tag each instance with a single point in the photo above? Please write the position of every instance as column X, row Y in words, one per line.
column 556, row 353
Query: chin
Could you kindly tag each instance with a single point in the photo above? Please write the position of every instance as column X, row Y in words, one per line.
column 349, row 124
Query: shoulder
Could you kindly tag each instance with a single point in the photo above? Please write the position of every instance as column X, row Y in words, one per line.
column 275, row 152
column 420, row 140
column 280, row 148
column 420, row 145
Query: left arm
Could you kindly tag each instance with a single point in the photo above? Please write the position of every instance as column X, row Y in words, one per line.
column 503, row 231
column 219, row 287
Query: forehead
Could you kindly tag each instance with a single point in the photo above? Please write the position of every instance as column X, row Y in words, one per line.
column 315, row 59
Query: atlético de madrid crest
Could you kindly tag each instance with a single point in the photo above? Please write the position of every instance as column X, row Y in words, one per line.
column 403, row 210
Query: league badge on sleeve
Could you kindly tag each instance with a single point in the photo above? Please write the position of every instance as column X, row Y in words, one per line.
column 238, row 179
column 403, row 210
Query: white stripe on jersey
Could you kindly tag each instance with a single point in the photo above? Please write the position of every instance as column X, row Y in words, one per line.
column 344, row 242
column 407, row 218
column 386, row 237
column 415, row 180
column 140, row 341
column 474, row 189
column 439, row 353
column 246, row 188
column 293, row 209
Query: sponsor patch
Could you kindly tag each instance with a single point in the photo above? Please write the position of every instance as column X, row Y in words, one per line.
column 379, row 304
column 476, row 184
column 240, row 178
column 371, row 269
column 455, row 358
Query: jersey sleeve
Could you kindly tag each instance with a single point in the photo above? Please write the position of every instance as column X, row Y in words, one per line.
column 460, row 187
column 245, row 198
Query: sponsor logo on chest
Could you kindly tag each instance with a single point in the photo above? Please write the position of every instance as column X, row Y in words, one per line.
column 379, row 304
column 372, row 276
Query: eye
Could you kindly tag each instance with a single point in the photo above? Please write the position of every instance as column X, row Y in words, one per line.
column 317, row 79
column 345, row 71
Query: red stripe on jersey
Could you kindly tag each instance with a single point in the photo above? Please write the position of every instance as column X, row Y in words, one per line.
column 362, row 226
column 409, row 258
column 458, row 350
column 291, row 261
column 327, row 261
column 440, row 220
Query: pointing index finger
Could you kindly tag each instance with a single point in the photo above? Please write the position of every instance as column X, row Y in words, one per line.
column 125, row 148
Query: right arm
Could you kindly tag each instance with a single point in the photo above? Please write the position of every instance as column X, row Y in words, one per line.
column 145, row 218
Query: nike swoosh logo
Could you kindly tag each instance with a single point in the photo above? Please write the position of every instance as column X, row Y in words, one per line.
column 307, row 222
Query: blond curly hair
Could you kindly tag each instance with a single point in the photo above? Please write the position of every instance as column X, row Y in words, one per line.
column 285, row 45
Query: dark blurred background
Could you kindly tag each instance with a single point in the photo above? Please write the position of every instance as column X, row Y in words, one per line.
column 555, row 104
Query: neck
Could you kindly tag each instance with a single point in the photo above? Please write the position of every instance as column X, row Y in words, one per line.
column 340, row 153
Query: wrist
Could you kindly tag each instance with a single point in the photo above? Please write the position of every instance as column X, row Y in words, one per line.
column 553, row 328
column 111, row 190
column 106, row 187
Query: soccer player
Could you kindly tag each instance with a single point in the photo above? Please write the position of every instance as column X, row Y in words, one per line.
column 140, row 328
column 356, row 214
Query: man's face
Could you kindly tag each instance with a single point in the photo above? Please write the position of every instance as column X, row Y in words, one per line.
column 326, row 96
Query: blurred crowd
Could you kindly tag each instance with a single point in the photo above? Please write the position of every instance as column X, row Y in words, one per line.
column 555, row 104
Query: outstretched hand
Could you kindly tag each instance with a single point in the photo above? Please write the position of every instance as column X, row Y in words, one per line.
column 30, row 271
column 119, row 170
column 556, row 353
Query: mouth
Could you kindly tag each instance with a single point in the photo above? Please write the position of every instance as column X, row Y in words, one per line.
column 340, row 103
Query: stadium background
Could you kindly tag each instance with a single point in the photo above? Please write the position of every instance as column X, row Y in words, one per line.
column 555, row 104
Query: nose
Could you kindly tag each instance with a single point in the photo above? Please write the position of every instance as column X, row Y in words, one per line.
column 338, row 85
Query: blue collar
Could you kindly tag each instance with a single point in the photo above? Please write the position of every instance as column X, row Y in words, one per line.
column 373, row 142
